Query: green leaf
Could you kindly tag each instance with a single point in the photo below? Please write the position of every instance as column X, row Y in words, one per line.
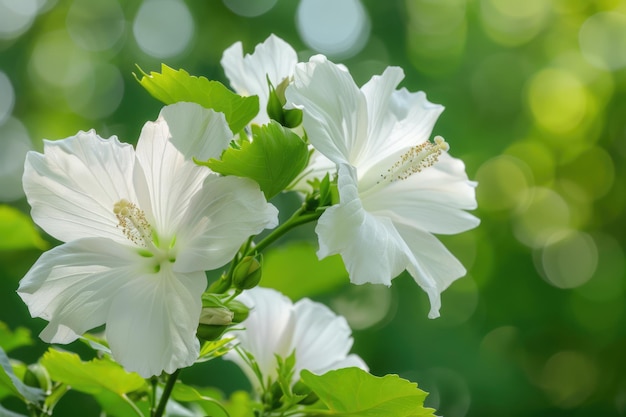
column 18, row 231
column 273, row 159
column 91, row 377
column 241, row 405
column 214, row 349
column 356, row 393
column 212, row 406
column 10, row 340
column 171, row 86
column 10, row 382
column 295, row 271
column 115, row 405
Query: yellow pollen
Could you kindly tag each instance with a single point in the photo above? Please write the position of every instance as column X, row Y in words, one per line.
column 133, row 222
column 416, row 159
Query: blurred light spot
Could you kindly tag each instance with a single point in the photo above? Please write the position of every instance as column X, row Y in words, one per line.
column 599, row 318
column 459, row 302
column 569, row 378
column 448, row 392
column 558, row 100
column 57, row 61
column 14, row 143
column 545, row 214
column 7, row 97
column 501, row 341
column 163, row 28
column 436, row 34
column 16, row 16
column 99, row 94
column 608, row 281
column 603, row 40
column 249, row 8
column 593, row 170
column 578, row 201
column 503, row 182
column 364, row 306
column 513, row 22
column 537, row 157
column 338, row 28
column 95, row 26
column 569, row 259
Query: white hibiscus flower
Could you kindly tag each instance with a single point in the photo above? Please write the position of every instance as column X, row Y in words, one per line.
column 140, row 228
column 277, row 327
column 396, row 187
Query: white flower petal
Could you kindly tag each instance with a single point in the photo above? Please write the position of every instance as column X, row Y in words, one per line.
column 197, row 132
column 74, row 184
column 273, row 59
column 322, row 340
column 73, row 284
column 276, row 327
column 435, row 267
column 152, row 322
column 434, row 199
column 378, row 92
column 165, row 181
column 370, row 246
column 223, row 214
column 334, row 109
column 268, row 331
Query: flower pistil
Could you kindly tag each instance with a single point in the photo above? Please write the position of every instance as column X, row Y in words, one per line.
column 416, row 159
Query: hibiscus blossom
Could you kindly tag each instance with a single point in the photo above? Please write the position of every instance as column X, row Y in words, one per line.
column 140, row 228
column 396, row 188
column 277, row 327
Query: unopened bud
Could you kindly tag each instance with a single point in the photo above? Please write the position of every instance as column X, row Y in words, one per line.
column 292, row 118
column 210, row 332
column 247, row 273
column 240, row 311
column 216, row 315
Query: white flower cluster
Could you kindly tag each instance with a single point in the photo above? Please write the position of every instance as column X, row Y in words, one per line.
column 141, row 226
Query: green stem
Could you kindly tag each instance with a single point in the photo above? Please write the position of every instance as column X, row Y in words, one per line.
column 298, row 218
column 167, row 391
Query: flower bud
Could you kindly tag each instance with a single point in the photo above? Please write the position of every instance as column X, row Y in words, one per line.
column 210, row 332
column 247, row 273
column 216, row 315
column 289, row 118
column 239, row 309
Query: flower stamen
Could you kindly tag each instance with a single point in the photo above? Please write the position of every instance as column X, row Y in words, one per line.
column 133, row 222
column 415, row 160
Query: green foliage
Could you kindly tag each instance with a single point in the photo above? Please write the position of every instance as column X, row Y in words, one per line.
column 214, row 349
column 10, row 340
column 18, row 231
column 273, row 159
column 91, row 377
column 11, row 384
column 240, row 405
column 295, row 271
column 209, row 400
column 356, row 393
column 171, row 86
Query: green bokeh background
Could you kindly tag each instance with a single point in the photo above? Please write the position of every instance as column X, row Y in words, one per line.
column 535, row 96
